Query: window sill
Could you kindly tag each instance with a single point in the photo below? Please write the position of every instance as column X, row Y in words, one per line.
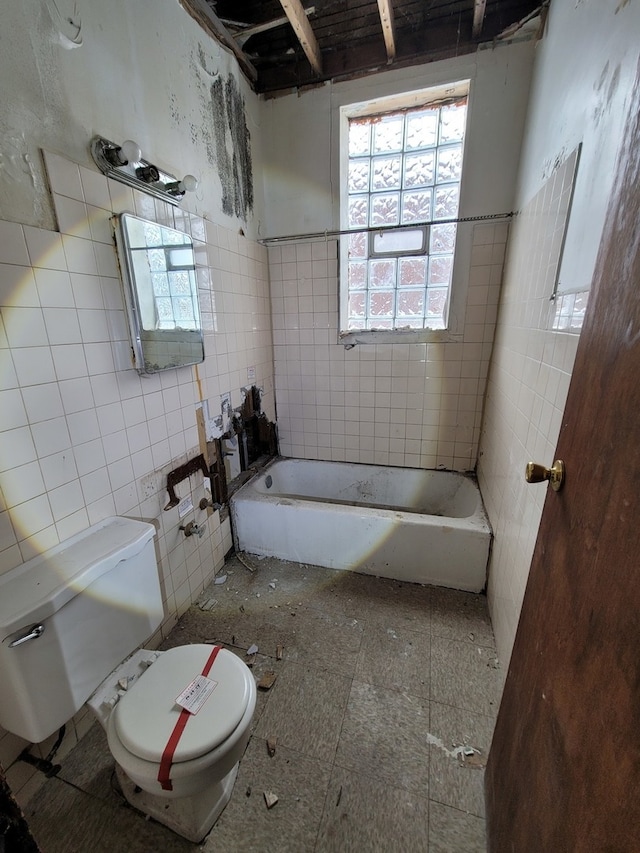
column 413, row 336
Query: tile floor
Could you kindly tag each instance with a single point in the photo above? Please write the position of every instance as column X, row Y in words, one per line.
column 380, row 687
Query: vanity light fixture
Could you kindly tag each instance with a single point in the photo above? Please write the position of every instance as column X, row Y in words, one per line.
column 125, row 163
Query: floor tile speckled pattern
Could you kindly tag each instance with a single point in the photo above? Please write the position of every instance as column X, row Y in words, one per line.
column 382, row 710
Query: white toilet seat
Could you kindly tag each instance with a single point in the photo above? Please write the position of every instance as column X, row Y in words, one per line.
column 221, row 729
column 147, row 714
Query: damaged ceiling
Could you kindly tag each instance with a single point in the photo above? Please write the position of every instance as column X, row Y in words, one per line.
column 289, row 44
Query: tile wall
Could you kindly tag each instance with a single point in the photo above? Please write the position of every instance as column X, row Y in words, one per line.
column 526, row 394
column 83, row 435
column 410, row 405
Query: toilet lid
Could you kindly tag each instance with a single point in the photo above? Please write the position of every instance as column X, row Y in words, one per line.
column 146, row 715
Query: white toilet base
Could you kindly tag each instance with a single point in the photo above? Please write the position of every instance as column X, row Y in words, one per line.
column 190, row 817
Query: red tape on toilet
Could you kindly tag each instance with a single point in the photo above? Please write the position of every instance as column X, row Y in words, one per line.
column 164, row 774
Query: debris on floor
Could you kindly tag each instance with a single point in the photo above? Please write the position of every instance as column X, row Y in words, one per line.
column 244, row 563
column 279, row 652
column 270, row 799
column 465, row 755
column 272, row 584
column 208, row 604
column 271, row 745
column 474, row 758
column 252, row 650
column 267, row 681
column 220, row 579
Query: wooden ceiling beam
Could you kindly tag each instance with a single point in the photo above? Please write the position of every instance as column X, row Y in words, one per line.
column 385, row 7
column 441, row 42
column 297, row 18
column 201, row 12
column 479, row 9
column 244, row 35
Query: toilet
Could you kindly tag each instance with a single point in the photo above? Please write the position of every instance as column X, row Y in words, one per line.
column 71, row 624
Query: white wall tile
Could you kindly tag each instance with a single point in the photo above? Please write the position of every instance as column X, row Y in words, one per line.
column 87, row 291
column 13, row 247
column 80, row 254
column 18, row 286
column 58, row 469
column 22, row 483
column 64, row 176
column 54, row 288
column 33, row 365
column 89, row 456
column 45, row 248
column 72, row 217
column 12, row 410
column 24, row 327
column 95, row 188
column 83, row 426
column 93, row 325
column 69, row 361
column 32, row 517
column 62, row 325
column 51, row 436
column 42, row 402
column 76, row 395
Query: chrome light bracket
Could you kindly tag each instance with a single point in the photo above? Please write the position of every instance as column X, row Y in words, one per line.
column 140, row 175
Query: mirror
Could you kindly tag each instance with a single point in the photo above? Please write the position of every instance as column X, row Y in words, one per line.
column 161, row 294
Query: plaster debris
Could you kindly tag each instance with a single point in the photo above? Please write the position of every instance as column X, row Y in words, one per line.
column 252, row 650
column 268, row 680
column 208, row 604
column 279, row 652
column 123, row 683
column 272, row 585
column 271, row 745
column 270, row 799
column 464, row 754
column 220, row 579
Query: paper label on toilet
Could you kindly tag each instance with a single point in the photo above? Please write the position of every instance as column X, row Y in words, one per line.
column 196, row 694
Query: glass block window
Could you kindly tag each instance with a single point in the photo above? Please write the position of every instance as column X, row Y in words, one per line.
column 404, row 170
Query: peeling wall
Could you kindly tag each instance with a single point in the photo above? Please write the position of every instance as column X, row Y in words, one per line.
column 82, row 435
column 584, row 99
column 141, row 70
column 585, row 68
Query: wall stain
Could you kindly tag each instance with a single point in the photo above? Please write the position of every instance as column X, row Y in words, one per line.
column 233, row 147
column 606, row 88
column 218, row 125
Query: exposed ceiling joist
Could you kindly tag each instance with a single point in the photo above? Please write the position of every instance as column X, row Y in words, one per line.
column 343, row 38
column 302, row 28
column 385, row 7
column 209, row 21
column 479, row 8
column 245, row 34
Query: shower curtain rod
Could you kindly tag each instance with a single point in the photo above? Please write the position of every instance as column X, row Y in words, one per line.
column 319, row 235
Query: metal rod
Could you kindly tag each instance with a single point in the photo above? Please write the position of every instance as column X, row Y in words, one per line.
column 317, row 235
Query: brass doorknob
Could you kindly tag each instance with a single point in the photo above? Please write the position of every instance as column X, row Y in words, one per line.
column 535, row 473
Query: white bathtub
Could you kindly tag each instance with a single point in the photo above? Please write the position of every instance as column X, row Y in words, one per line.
column 412, row 525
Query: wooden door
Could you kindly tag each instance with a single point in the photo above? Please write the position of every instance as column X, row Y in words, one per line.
column 563, row 774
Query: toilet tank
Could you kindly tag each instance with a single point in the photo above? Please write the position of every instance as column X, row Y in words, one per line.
column 68, row 617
